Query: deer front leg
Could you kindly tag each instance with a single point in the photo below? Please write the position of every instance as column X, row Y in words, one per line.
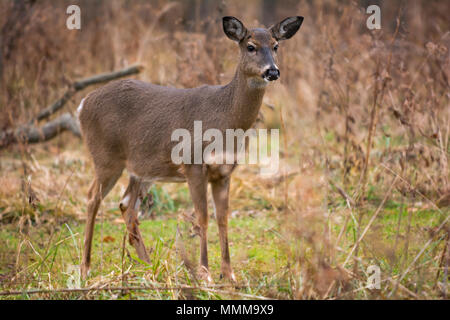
column 220, row 192
column 129, row 207
column 198, row 184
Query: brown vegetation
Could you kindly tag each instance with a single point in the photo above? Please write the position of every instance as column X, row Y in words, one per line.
column 364, row 116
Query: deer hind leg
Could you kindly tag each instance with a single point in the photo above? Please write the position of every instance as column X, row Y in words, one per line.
column 100, row 187
column 220, row 191
column 148, row 204
column 143, row 192
column 198, row 184
column 129, row 207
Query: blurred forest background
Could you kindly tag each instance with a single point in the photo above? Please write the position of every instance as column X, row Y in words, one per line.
column 365, row 129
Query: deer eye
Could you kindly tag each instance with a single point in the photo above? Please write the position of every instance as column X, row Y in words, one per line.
column 275, row 48
column 251, row 48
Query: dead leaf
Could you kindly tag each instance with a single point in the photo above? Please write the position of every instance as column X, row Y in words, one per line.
column 108, row 239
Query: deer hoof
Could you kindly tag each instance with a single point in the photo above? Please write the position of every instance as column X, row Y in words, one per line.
column 84, row 271
column 229, row 275
column 203, row 274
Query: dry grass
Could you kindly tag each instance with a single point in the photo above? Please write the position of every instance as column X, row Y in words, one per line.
column 364, row 179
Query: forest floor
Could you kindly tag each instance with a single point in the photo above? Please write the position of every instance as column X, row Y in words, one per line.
column 277, row 252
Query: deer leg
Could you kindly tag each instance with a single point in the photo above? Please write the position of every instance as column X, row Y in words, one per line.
column 142, row 194
column 197, row 182
column 99, row 188
column 92, row 208
column 144, row 186
column 129, row 207
column 220, row 191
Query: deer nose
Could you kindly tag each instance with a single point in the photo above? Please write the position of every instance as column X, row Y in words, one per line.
column 271, row 74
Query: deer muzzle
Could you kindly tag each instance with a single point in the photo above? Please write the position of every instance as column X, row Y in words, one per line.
column 271, row 74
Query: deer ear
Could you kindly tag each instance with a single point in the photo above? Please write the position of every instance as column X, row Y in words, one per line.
column 234, row 29
column 286, row 28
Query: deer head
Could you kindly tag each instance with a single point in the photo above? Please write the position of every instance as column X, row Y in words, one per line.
column 259, row 46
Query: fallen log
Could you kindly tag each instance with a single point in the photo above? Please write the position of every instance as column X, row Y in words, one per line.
column 30, row 133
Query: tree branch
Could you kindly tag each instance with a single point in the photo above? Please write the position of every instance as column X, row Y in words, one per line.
column 29, row 133
column 80, row 85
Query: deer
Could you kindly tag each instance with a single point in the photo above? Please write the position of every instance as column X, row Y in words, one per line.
column 127, row 124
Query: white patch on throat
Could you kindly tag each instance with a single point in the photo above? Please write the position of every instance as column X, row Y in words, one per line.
column 257, row 83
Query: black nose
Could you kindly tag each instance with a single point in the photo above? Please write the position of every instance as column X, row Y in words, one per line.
column 271, row 74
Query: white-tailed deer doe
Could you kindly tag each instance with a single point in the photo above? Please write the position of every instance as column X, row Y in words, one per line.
column 128, row 124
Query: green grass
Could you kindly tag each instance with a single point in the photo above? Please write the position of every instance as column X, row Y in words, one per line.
column 54, row 253
column 49, row 256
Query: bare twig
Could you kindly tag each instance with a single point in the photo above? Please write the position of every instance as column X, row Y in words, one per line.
column 441, row 261
column 350, row 202
column 413, row 188
column 377, row 100
column 213, row 288
column 388, row 193
column 421, row 252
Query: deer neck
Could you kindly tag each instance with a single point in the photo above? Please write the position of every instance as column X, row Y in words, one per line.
column 246, row 97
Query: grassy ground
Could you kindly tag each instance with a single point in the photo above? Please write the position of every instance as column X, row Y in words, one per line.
column 276, row 251
column 254, row 244
column 364, row 154
column 45, row 245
